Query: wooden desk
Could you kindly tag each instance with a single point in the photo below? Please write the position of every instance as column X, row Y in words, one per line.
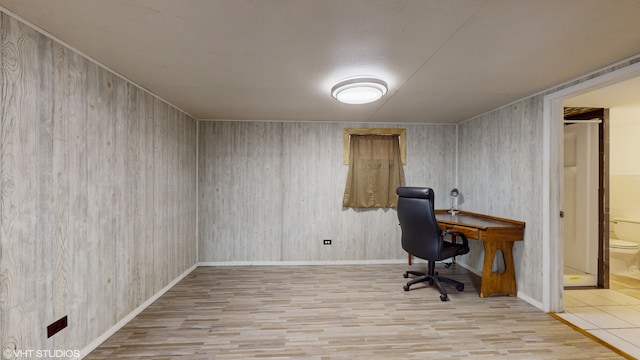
column 495, row 234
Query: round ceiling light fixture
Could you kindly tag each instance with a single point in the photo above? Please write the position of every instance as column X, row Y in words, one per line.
column 359, row 90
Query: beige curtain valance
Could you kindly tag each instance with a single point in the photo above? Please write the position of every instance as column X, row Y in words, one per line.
column 402, row 134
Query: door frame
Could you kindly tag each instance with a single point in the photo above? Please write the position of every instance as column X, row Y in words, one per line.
column 553, row 135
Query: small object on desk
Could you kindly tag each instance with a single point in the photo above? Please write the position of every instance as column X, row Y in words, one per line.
column 454, row 199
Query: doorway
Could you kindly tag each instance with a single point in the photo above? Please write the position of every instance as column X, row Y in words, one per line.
column 603, row 310
column 583, row 198
column 553, row 169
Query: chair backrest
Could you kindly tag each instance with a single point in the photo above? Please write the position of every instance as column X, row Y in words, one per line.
column 421, row 234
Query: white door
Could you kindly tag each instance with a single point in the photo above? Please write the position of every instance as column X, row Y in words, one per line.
column 580, row 201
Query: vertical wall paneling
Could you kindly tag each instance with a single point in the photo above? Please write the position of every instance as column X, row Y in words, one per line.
column 273, row 192
column 159, row 187
column 189, row 194
column 145, row 142
column 97, row 194
column 100, row 133
column 60, row 205
column 78, row 258
column 171, row 190
column 46, row 209
column 501, row 175
column 125, row 201
column 312, row 200
column 18, row 270
column 246, row 186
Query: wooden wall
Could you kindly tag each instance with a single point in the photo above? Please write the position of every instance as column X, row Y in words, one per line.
column 272, row 191
column 97, row 194
column 501, row 174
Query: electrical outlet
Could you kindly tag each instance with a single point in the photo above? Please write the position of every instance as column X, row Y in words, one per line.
column 56, row 326
column 326, row 242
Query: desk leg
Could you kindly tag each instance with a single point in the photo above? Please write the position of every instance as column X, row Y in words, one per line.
column 493, row 282
column 410, row 258
column 454, row 240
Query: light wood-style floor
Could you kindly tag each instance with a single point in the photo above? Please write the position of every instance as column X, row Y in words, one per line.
column 340, row 312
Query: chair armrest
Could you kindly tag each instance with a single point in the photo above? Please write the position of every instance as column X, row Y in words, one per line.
column 465, row 242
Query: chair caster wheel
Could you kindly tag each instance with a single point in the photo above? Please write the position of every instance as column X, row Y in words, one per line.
column 406, row 288
column 460, row 287
column 406, row 275
column 443, row 297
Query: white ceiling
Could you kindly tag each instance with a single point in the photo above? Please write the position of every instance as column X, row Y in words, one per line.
column 445, row 60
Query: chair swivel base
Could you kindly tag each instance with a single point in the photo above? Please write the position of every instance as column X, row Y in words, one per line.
column 434, row 280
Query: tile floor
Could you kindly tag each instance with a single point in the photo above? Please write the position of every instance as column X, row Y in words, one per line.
column 612, row 315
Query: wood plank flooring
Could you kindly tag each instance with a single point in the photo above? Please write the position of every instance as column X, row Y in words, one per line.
column 339, row 312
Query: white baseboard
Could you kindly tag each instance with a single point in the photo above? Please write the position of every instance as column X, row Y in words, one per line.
column 95, row 343
column 471, row 269
column 520, row 295
column 301, row 263
column 531, row 300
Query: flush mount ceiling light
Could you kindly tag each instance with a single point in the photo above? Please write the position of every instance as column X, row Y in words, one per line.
column 359, row 90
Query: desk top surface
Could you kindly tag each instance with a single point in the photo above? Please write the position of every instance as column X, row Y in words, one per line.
column 479, row 221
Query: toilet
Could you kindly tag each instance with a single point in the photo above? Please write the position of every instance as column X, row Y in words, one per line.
column 624, row 245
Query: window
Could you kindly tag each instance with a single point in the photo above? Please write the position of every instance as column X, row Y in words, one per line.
column 375, row 169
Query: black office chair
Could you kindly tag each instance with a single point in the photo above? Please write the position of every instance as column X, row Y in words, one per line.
column 422, row 237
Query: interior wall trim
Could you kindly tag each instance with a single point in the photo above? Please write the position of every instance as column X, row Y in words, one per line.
column 303, row 263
